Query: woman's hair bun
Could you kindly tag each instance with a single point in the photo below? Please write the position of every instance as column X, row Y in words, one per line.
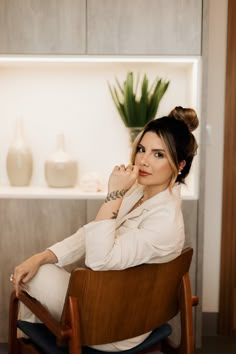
column 187, row 115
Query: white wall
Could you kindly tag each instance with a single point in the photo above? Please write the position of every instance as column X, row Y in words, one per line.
column 214, row 154
column 74, row 98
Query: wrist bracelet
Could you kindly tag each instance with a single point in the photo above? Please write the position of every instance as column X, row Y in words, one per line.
column 115, row 195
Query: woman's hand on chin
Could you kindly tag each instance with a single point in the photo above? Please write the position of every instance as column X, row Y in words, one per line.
column 122, row 177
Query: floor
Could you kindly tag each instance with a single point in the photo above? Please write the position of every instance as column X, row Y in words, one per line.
column 210, row 345
column 218, row 345
column 3, row 348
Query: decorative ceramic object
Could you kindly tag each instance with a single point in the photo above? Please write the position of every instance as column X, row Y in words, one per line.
column 19, row 161
column 60, row 168
column 91, row 182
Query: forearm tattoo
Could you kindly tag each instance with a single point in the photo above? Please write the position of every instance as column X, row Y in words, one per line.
column 115, row 195
column 115, row 213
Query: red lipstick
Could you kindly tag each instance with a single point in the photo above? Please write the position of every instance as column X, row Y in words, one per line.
column 143, row 173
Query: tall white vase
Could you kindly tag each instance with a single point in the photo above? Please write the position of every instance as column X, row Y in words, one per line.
column 60, row 168
column 19, row 161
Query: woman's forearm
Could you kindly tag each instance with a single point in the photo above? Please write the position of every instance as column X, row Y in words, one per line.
column 109, row 209
column 46, row 257
column 121, row 180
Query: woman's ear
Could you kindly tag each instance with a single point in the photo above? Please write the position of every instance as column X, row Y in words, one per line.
column 182, row 165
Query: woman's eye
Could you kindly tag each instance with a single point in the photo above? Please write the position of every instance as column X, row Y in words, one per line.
column 159, row 154
column 140, row 148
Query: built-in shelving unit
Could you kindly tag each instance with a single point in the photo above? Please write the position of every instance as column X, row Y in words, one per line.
column 60, row 193
column 70, row 94
column 48, row 193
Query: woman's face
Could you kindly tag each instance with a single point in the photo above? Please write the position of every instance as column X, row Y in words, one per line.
column 155, row 171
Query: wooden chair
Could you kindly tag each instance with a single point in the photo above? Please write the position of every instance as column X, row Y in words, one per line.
column 109, row 306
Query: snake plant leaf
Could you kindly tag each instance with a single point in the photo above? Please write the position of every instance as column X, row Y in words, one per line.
column 129, row 99
column 153, row 85
column 119, row 86
column 154, row 102
column 137, row 85
column 143, row 103
column 155, row 98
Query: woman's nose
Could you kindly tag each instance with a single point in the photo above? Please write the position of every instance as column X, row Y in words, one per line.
column 144, row 161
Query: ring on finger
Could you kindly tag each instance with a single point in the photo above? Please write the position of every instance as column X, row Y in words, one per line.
column 11, row 277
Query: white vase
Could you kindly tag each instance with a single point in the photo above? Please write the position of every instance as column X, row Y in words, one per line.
column 60, row 168
column 19, row 161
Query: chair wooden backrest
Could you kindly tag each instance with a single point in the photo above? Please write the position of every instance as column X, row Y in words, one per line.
column 108, row 306
column 116, row 305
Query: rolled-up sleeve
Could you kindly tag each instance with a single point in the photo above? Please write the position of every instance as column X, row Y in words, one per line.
column 70, row 250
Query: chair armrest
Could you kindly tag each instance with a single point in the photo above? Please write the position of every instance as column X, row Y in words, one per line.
column 195, row 300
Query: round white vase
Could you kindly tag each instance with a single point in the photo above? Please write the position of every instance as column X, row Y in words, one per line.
column 60, row 168
column 19, row 162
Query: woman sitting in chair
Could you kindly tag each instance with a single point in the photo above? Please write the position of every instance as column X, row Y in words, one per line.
column 139, row 222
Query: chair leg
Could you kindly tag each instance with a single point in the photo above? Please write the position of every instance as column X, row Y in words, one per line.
column 74, row 342
column 186, row 315
column 13, row 314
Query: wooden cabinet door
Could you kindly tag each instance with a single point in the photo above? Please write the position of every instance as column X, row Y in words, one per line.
column 42, row 26
column 148, row 27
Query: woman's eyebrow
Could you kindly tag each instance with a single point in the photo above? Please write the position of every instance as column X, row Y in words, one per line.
column 154, row 150
column 163, row 150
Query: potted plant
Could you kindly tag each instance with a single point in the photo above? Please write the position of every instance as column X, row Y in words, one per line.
column 135, row 105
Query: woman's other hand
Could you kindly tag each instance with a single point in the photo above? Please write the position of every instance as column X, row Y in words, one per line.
column 25, row 271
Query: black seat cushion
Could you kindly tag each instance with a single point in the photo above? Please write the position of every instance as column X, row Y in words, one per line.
column 44, row 339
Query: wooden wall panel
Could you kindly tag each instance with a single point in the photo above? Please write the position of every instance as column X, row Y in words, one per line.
column 228, row 242
column 144, row 27
column 42, row 27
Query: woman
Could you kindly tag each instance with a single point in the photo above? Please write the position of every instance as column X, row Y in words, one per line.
column 139, row 222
